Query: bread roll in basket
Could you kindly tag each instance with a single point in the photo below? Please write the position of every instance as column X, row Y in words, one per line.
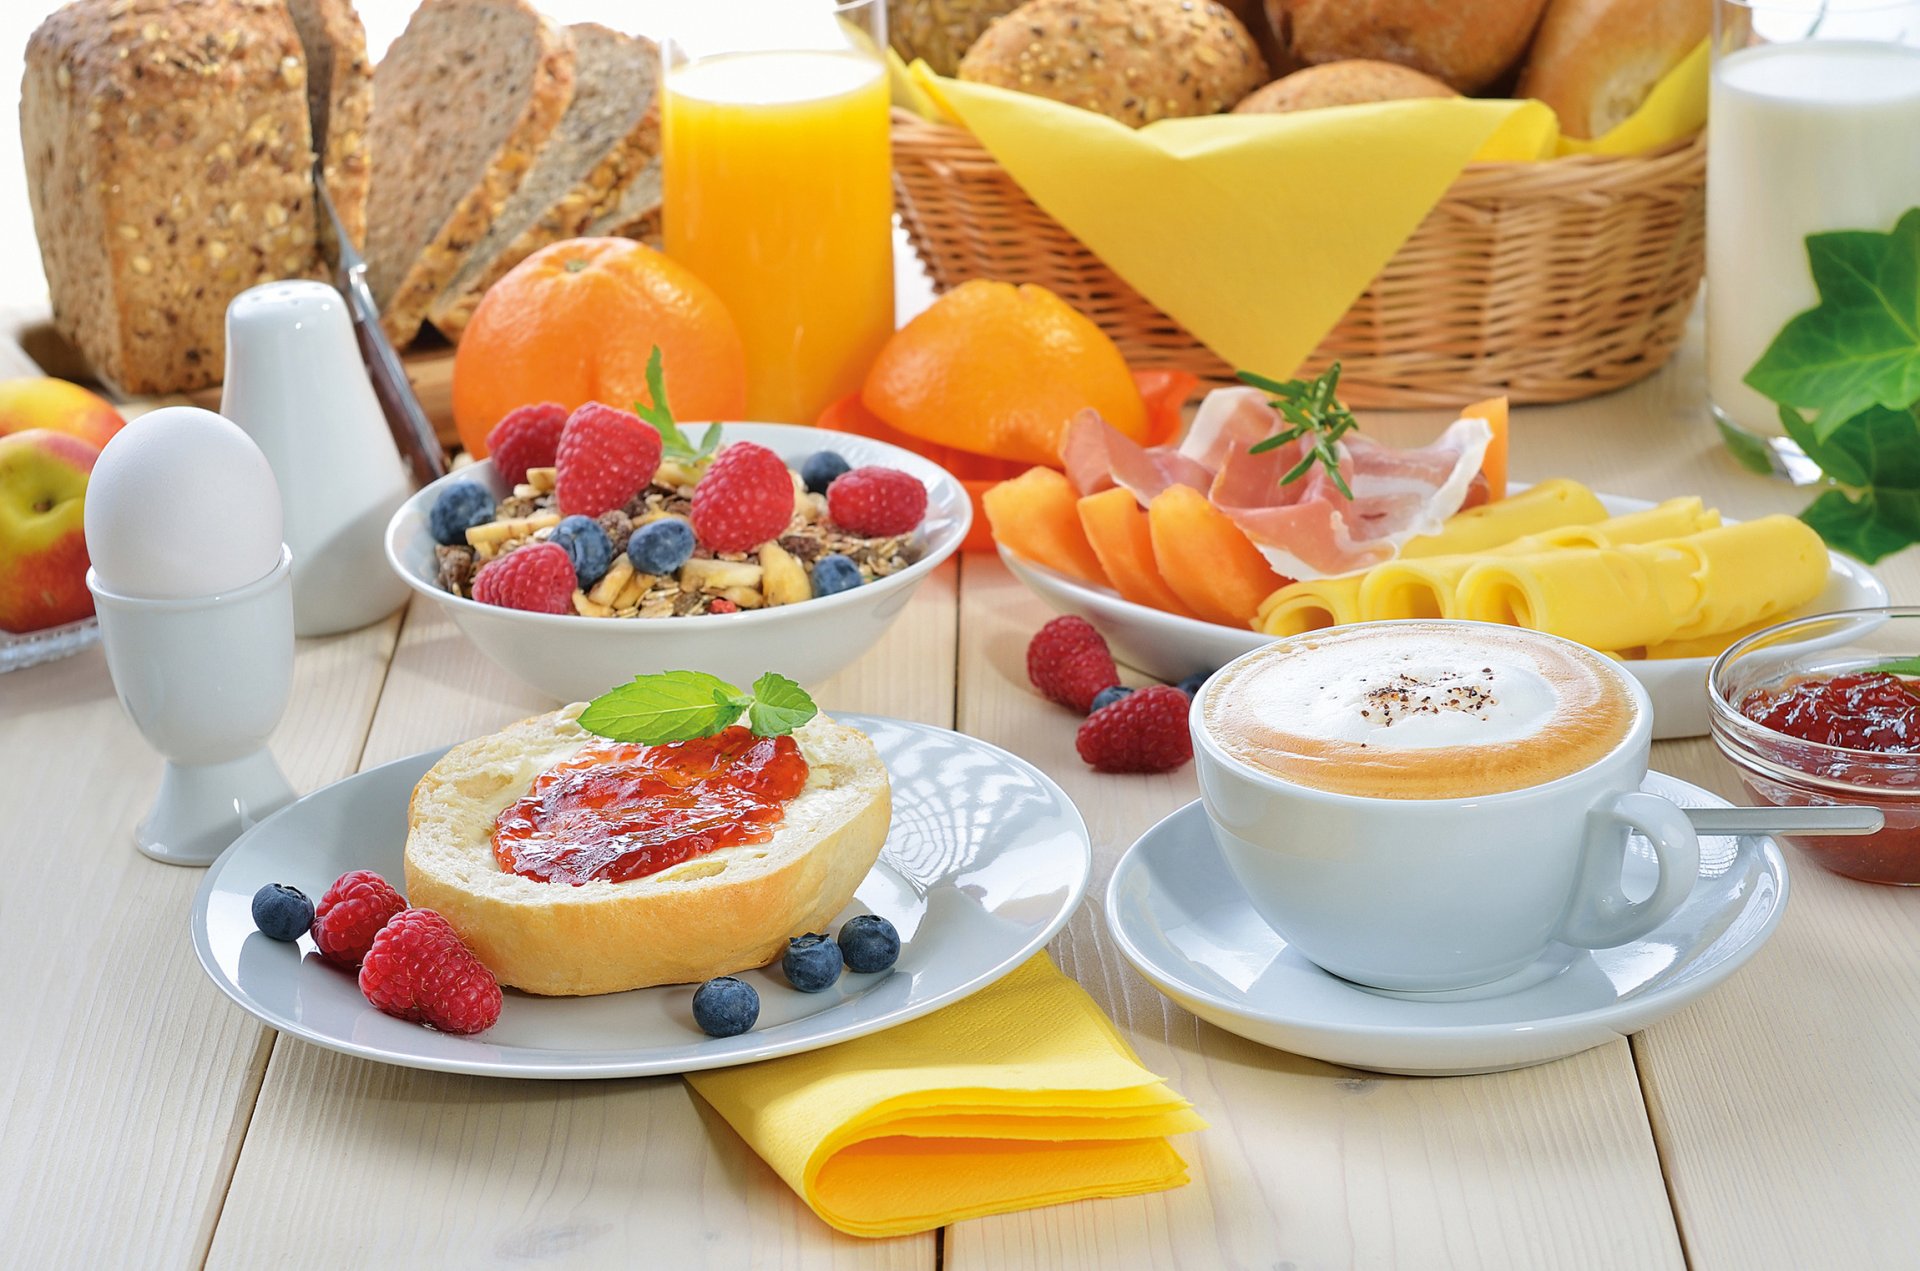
column 723, row 911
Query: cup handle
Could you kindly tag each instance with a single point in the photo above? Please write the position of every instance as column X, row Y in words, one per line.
column 1601, row 915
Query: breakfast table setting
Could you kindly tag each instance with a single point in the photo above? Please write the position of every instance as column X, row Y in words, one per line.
column 871, row 633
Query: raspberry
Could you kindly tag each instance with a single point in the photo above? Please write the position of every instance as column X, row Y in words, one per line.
column 723, row 605
column 418, row 969
column 606, row 456
column 527, row 437
column 745, row 499
column 351, row 914
column 1068, row 661
column 1142, row 732
column 538, row 578
column 876, row 502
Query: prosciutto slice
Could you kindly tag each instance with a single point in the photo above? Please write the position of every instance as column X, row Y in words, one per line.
column 1098, row 456
column 1308, row 529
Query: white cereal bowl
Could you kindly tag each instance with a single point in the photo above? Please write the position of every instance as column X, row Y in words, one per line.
column 572, row 658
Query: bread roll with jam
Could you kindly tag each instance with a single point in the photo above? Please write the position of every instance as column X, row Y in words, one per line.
column 1467, row 43
column 1133, row 60
column 1595, row 61
column 1346, row 83
column 721, row 911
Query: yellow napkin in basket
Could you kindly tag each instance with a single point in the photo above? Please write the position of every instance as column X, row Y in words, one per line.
column 1021, row 1095
column 1256, row 232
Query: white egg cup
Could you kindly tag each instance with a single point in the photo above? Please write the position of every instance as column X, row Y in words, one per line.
column 205, row 680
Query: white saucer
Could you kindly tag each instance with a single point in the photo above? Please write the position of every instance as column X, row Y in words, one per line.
column 1180, row 917
column 986, row 860
column 1170, row 647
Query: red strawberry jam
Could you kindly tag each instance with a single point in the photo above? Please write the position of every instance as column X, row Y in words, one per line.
column 1872, row 711
column 620, row 812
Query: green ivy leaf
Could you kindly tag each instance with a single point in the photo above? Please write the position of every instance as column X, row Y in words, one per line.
column 670, row 706
column 1860, row 346
column 1905, row 666
column 779, row 706
column 1869, row 525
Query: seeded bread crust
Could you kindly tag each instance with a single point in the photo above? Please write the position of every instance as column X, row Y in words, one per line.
column 635, row 212
column 610, row 132
column 462, row 103
column 1132, row 60
column 720, row 912
column 169, row 165
column 340, row 103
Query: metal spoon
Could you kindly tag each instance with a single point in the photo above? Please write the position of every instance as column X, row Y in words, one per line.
column 1836, row 820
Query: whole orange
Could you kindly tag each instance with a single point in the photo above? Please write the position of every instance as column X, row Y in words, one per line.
column 999, row 370
column 576, row 321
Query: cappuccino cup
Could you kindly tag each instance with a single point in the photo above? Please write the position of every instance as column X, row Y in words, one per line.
column 1428, row 806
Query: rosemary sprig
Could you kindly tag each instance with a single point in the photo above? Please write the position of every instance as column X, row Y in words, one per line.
column 1312, row 411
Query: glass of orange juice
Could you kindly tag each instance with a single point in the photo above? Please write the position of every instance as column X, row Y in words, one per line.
column 778, row 188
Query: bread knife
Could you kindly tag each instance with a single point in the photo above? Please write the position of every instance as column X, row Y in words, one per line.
column 1835, row 820
column 412, row 430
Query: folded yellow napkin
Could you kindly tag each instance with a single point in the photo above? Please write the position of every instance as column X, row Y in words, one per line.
column 1021, row 1095
column 1256, row 232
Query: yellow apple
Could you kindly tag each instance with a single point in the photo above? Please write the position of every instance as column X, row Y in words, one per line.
column 43, row 545
column 57, row 404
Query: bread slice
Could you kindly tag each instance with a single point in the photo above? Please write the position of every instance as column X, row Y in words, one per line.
column 340, row 104
column 462, row 103
column 610, row 132
column 725, row 911
column 635, row 212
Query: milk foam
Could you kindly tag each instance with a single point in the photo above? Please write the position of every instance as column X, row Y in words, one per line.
column 1419, row 696
column 1419, row 709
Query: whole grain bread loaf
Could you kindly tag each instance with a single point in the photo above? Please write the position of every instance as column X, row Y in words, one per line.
column 170, row 167
column 462, row 103
column 340, row 103
column 610, row 132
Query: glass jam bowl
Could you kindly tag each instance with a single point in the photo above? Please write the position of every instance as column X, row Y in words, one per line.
column 1787, row 771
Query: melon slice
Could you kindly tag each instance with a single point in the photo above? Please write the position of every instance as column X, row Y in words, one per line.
column 1206, row 560
column 1494, row 466
column 1116, row 526
column 1034, row 517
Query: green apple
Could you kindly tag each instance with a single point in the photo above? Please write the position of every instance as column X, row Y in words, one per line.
column 43, row 543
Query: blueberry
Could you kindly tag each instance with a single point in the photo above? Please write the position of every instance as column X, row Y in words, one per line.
column 460, row 507
column 282, row 912
column 869, row 943
column 725, row 1007
column 1108, row 696
column 834, row 573
column 1191, row 685
column 662, row 546
column 587, row 546
column 812, row 963
column 820, row 468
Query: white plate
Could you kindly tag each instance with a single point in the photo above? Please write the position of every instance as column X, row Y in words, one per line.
column 18, row 652
column 1180, row 917
column 1170, row 647
column 986, row 860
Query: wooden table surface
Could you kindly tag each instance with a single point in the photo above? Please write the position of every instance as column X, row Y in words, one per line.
column 149, row 1122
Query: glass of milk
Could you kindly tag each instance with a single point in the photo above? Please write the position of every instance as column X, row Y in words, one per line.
column 1814, row 125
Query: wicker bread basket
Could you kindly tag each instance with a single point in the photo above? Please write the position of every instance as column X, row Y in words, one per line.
column 1544, row 281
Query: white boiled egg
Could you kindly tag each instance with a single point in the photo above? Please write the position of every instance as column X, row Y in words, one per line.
column 182, row 504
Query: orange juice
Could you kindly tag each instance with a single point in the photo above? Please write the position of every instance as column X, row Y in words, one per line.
column 778, row 194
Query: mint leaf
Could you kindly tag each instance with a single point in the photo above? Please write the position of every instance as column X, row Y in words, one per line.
column 670, row 706
column 1860, row 346
column 682, row 705
column 779, row 706
column 673, row 441
column 1905, row 666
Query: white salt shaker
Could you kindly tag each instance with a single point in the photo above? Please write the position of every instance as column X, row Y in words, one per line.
column 193, row 587
column 296, row 384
